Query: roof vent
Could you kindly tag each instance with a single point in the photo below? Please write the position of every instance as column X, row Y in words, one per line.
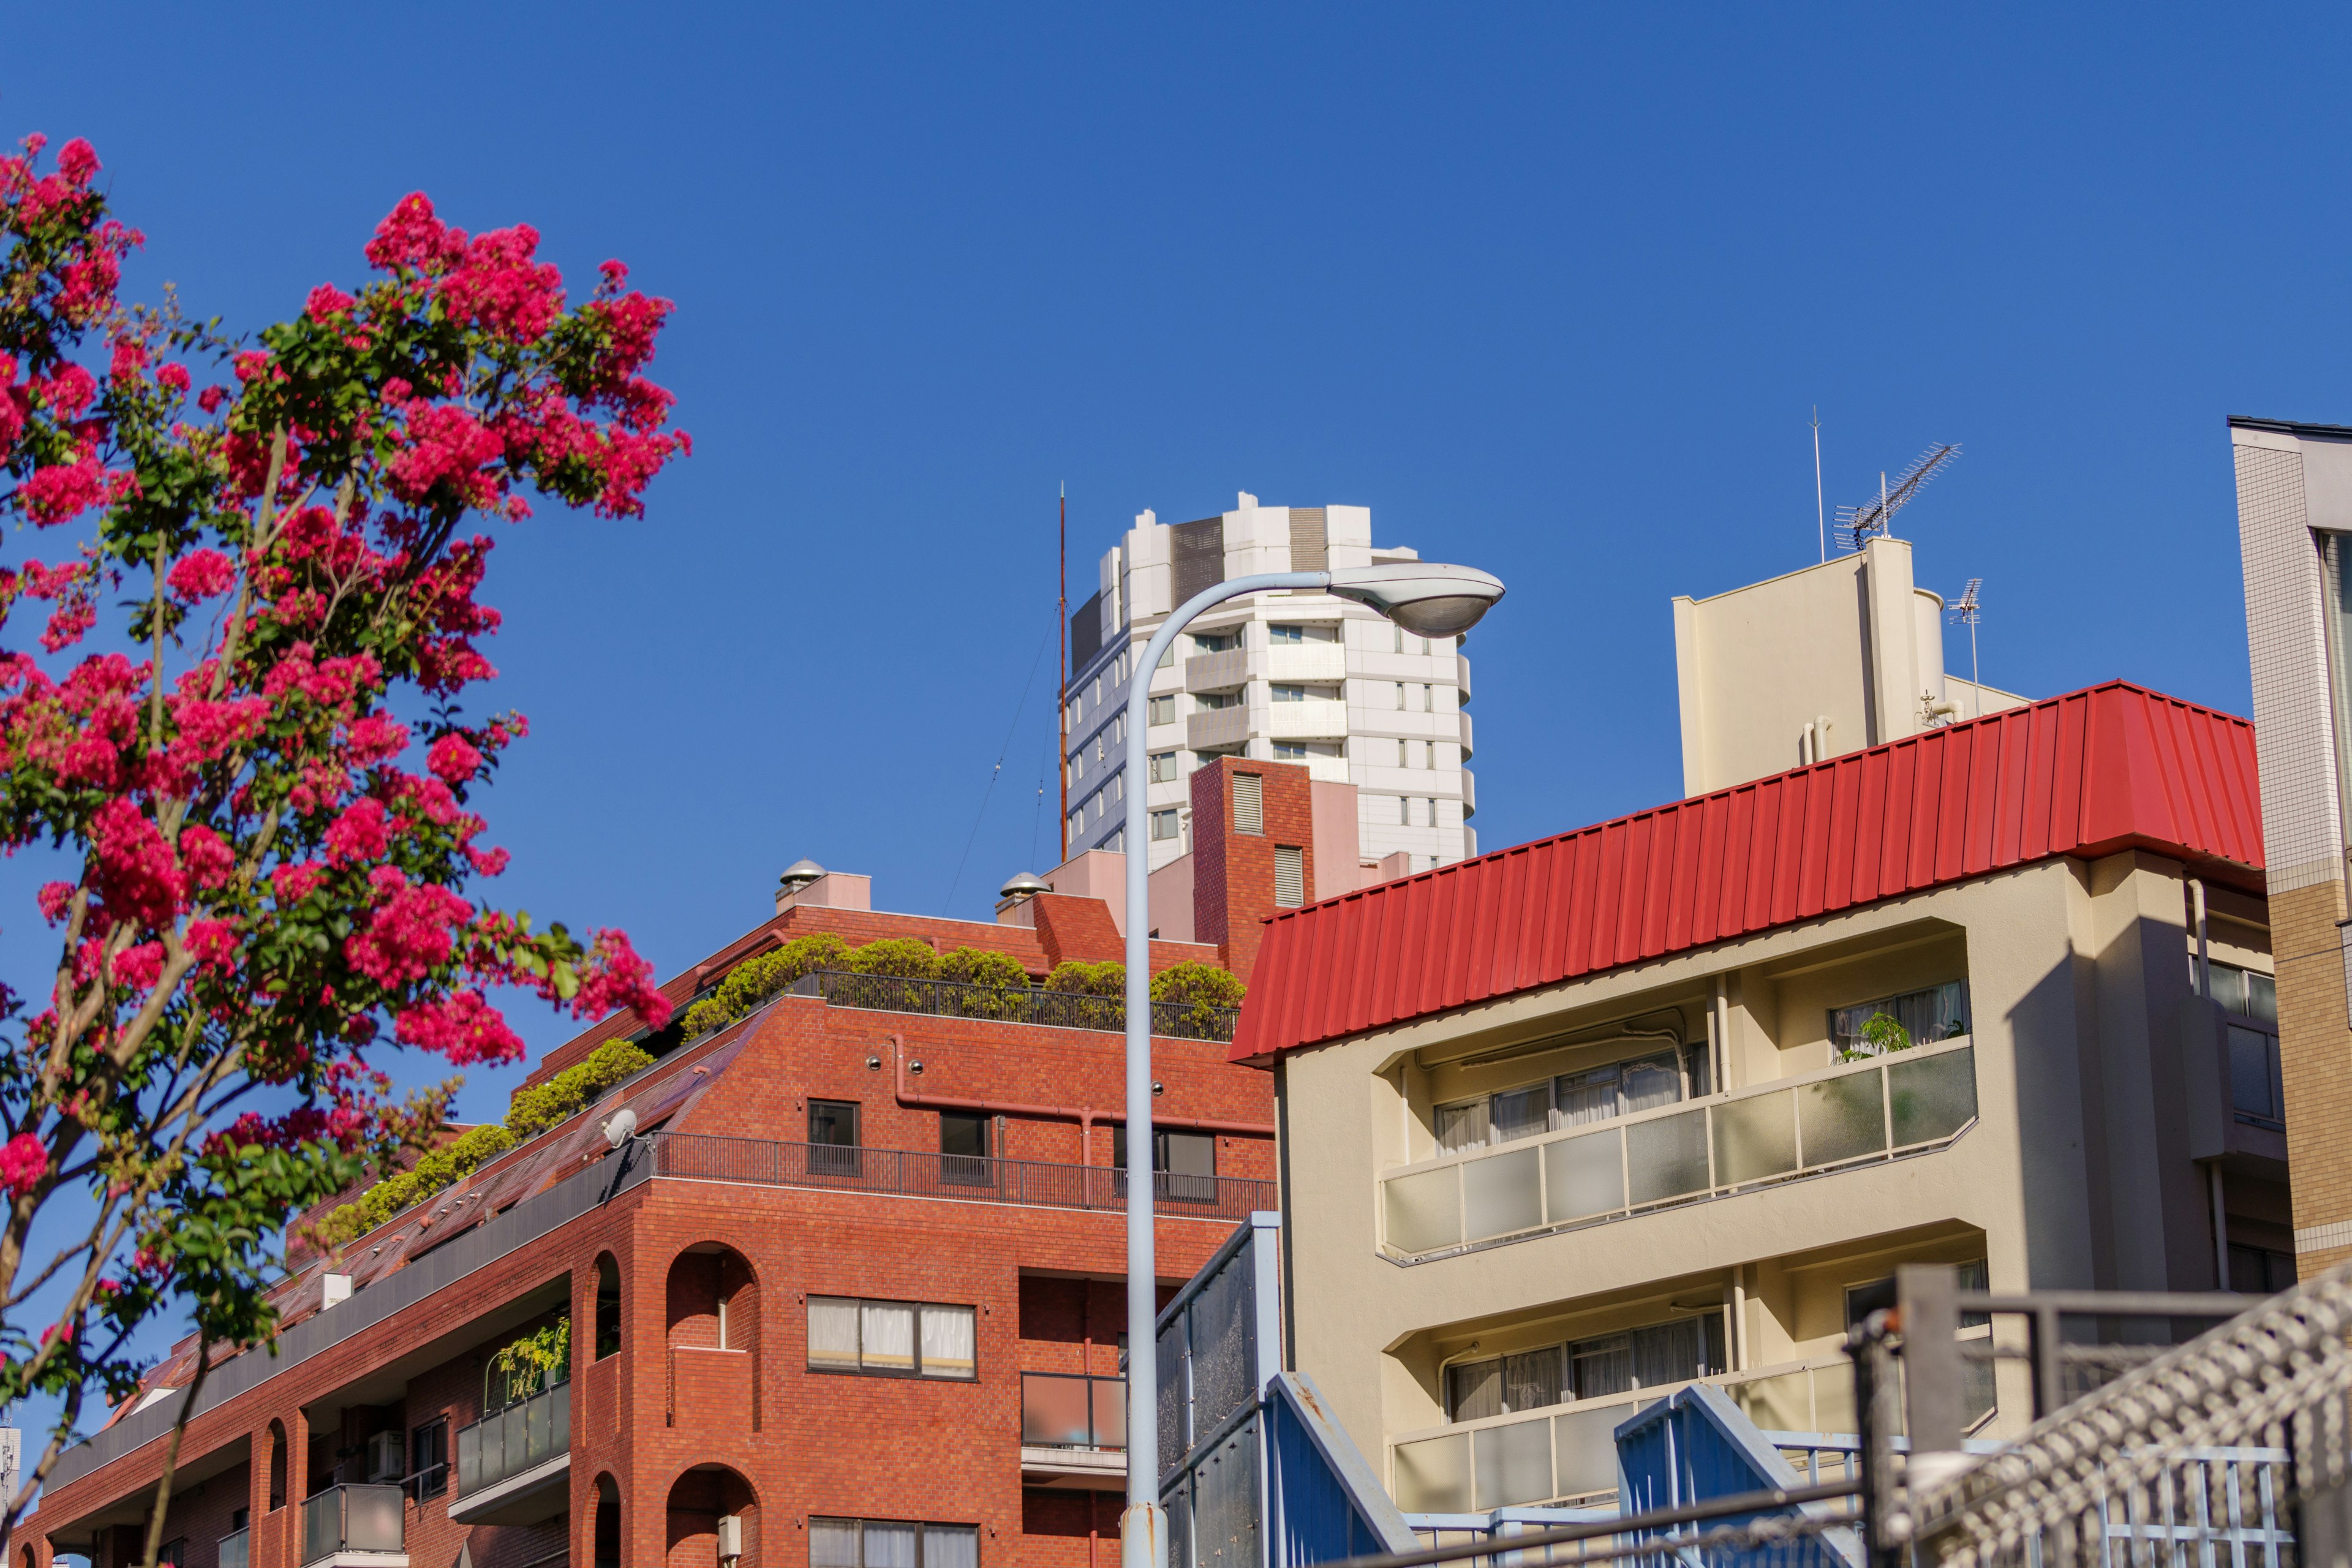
column 1025, row 886
column 799, row 875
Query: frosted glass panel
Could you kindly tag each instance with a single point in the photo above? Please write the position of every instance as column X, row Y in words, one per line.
column 947, row 1342
column 1833, row 1396
column 890, row 1545
column 1782, row 1404
column 832, row 1332
column 1755, row 1139
column 1434, row 1476
column 1934, row 1097
column 1425, row 1211
column 833, row 1543
column 1502, row 1192
column 1584, row 1176
column 888, row 1333
column 1842, row 1119
column 950, row 1546
column 1667, row 1158
column 1584, row 1448
column 1514, row 1464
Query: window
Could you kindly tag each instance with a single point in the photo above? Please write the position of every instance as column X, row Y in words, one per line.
column 890, row 1339
column 1287, row 693
column 2259, row 1272
column 1404, row 812
column 1977, row 1378
column 2257, row 1094
column 1431, row 807
column 1166, row 655
column 1289, row 877
column 1160, row 710
column 1163, row 825
column 1400, row 646
column 1914, row 1018
column 1570, row 1099
column 173, row 1554
column 1163, row 767
column 1647, row 1357
column 1400, row 686
column 2245, row 992
column 1289, row 751
column 963, row 1149
column 833, row 1136
column 1249, row 802
column 1278, row 636
column 1187, row 1162
column 608, row 1306
column 428, row 1458
column 1428, row 704
column 891, row 1543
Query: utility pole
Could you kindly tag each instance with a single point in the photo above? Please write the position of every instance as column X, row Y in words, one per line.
column 1061, row 703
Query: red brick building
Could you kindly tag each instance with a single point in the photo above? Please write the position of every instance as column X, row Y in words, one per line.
column 851, row 1296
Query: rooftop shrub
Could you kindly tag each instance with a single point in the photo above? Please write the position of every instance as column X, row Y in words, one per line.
column 755, row 980
column 902, row 957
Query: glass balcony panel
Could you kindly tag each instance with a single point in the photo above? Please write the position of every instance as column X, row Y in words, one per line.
column 535, row 1426
column 1502, row 1192
column 1054, row 1411
column 1514, row 1464
column 1433, row 1476
column 1842, row 1118
column 1755, row 1139
column 322, row 1524
column 1425, row 1211
column 1834, row 1405
column 469, row 1459
column 1667, row 1158
column 559, row 1401
column 515, row 1438
column 237, row 1548
column 1932, row 1097
column 1110, row 1412
column 1584, row 1176
column 1781, row 1404
column 1584, row 1449
column 372, row 1519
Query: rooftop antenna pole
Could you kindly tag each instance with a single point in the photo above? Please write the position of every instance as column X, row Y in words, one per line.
column 1061, row 707
column 1970, row 608
column 1858, row 525
column 1820, row 518
column 1884, row 528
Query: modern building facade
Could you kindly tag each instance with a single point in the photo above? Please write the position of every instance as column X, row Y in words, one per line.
column 1668, row 1098
column 850, row 1295
column 1299, row 678
column 2294, row 528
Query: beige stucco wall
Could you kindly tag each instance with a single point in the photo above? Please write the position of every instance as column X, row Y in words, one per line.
column 2076, row 1173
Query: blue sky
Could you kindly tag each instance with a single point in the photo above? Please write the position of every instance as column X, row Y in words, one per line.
column 1553, row 290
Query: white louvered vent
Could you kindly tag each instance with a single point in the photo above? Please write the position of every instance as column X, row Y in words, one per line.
column 1289, row 877
column 1249, row 802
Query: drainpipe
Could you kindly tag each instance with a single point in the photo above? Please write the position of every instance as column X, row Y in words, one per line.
column 2204, row 956
column 1722, row 1020
column 1739, row 1317
column 1085, row 1116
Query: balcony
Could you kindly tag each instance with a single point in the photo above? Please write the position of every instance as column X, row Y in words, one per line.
column 514, row 1466
column 1855, row 1114
column 1013, row 1005
column 1564, row 1452
column 1217, row 671
column 1315, row 718
column 237, row 1548
column 965, row 1178
column 1316, row 663
column 1217, row 728
column 1462, row 677
column 1072, row 1431
column 353, row 1527
column 1468, row 748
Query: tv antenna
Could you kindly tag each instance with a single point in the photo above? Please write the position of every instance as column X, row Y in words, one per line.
column 1858, row 525
column 1820, row 525
column 1968, row 608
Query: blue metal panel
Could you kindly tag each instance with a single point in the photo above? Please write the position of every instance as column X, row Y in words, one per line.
column 1326, row 1501
column 1695, row 1446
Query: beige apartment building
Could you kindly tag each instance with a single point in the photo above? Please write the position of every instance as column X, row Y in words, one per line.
column 1670, row 1097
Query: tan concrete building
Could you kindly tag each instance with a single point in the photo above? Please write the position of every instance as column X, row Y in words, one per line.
column 1669, row 1098
column 2294, row 519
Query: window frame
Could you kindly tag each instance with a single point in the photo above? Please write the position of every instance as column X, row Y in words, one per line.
column 1165, row 816
column 919, row 1526
column 856, row 1131
column 913, row 1371
column 428, row 1480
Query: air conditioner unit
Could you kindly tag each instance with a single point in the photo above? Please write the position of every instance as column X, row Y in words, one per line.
column 730, row 1537
column 385, row 1460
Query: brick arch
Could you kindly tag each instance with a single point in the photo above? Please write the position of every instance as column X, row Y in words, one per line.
column 698, row 1499
column 711, row 1338
column 605, row 1524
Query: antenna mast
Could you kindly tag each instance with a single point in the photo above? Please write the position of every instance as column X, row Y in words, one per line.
column 1061, row 705
column 1821, row 519
column 1970, row 608
column 1857, row 524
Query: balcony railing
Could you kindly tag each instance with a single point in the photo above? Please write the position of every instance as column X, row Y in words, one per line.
column 510, row 1441
column 1012, row 1004
column 1061, row 1410
column 237, row 1548
column 351, row 1519
column 706, row 1157
column 1567, row 1451
column 1852, row 1114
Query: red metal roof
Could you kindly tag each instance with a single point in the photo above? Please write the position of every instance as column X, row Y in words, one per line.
column 2113, row 767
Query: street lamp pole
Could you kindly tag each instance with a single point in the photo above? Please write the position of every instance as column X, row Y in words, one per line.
column 1425, row 598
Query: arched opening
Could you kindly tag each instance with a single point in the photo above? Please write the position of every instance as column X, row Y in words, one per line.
column 277, row 1466
column 608, row 1306
column 607, row 1542
column 713, row 1510
column 713, row 1338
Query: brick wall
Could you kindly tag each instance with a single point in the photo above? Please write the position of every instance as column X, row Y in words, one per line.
column 1233, row 875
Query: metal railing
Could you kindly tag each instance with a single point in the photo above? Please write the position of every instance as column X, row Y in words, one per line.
column 237, row 1548
column 968, row 1178
column 1853, row 1114
column 1068, row 1410
column 510, row 1441
column 351, row 1519
column 1013, row 1004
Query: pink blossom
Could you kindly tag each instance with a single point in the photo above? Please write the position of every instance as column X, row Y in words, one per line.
column 412, row 237
column 202, row 574
column 213, row 944
column 374, row 739
column 462, row 1026
column 139, row 967
column 500, row 286
column 446, row 443
column 454, row 758
column 486, row 862
column 68, row 391
column 211, row 398
column 61, row 492
column 130, row 359
column 206, row 855
column 408, row 936
column 133, row 873
column 358, row 834
column 172, row 377
column 325, row 300
column 68, row 623
column 23, row 1163
column 617, row 978
column 77, row 160
column 293, row 883
column 53, row 898
column 89, row 760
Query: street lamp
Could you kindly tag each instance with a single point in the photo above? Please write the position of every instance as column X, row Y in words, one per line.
column 1424, row 597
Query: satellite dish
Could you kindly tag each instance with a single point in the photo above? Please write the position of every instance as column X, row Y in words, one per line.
column 621, row 1127
column 1857, row 524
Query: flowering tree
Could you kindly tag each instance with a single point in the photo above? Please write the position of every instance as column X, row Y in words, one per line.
column 269, row 882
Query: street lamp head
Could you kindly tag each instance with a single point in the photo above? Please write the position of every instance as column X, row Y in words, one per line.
column 1426, row 598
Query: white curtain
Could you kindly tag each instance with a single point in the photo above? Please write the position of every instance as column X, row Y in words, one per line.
column 950, row 1546
column 888, row 1338
column 948, row 1336
column 832, row 1333
column 890, row 1545
column 833, row 1543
